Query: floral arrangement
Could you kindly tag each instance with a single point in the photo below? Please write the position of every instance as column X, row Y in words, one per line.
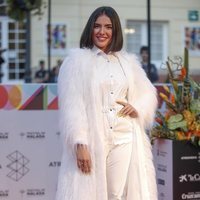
column 181, row 119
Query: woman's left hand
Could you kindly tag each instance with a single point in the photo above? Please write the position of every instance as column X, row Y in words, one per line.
column 128, row 109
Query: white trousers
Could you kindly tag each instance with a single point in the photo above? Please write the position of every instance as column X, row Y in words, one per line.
column 117, row 162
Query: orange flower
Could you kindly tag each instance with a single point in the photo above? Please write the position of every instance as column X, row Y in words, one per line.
column 183, row 72
column 180, row 135
column 182, row 75
column 188, row 135
column 197, row 133
column 172, row 98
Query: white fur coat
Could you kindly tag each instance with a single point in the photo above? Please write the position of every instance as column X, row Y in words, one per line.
column 81, row 122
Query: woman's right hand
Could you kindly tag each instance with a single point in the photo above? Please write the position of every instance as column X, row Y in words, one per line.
column 83, row 158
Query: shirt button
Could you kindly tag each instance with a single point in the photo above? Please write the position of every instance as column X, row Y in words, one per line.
column 111, row 76
column 111, row 109
column 111, row 127
column 111, row 93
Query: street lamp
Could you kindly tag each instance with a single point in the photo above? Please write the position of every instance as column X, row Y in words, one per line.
column 49, row 37
column 149, row 33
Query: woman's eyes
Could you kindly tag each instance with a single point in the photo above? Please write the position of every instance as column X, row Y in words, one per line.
column 109, row 27
column 99, row 26
column 96, row 26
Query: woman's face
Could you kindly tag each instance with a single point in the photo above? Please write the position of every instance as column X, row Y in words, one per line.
column 102, row 32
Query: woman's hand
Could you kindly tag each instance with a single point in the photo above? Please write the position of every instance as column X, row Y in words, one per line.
column 83, row 158
column 128, row 109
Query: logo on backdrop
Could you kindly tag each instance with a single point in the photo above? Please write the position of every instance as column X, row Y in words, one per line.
column 189, row 178
column 4, row 193
column 33, row 134
column 195, row 157
column 162, row 168
column 161, row 181
column 18, row 165
column 33, row 192
column 4, row 135
column 55, row 164
column 199, row 156
column 191, row 195
column 161, row 153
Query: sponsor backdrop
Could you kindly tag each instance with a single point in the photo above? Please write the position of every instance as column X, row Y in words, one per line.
column 178, row 170
column 30, row 146
column 30, row 149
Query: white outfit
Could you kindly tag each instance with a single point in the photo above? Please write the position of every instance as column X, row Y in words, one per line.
column 82, row 121
column 113, row 86
column 117, row 165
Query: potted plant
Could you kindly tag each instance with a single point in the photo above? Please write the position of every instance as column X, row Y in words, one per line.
column 181, row 119
column 176, row 135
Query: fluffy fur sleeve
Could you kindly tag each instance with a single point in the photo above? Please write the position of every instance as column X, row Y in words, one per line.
column 73, row 118
column 144, row 94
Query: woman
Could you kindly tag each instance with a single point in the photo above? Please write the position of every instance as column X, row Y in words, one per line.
column 106, row 103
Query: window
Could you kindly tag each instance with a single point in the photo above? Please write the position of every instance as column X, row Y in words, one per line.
column 17, row 50
column 13, row 39
column 136, row 36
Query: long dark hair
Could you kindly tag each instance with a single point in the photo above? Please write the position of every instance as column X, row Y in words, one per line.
column 117, row 37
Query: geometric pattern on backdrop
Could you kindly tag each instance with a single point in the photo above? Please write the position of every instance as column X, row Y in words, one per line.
column 42, row 97
column 17, row 165
column 29, row 97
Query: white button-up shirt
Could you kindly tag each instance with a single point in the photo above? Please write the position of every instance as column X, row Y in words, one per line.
column 113, row 86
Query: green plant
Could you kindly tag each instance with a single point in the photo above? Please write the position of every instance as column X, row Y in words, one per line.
column 181, row 120
column 17, row 9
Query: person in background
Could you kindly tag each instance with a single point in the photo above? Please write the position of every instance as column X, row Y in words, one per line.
column 54, row 73
column 41, row 76
column 106, row 102
column 151, row 69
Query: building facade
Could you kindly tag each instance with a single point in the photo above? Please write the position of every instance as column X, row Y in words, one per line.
column 175, row 24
